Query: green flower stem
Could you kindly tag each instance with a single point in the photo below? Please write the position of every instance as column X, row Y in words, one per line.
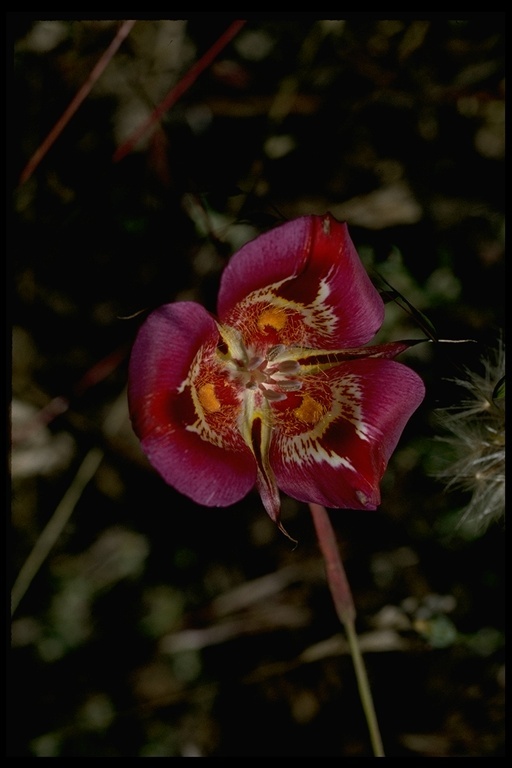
column 345, row 609
column 55, row 526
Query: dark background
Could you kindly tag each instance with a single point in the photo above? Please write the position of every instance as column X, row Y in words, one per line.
column 155, row 627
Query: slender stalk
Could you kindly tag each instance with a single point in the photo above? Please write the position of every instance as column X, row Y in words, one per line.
column 58, row 521
column 123, row 31
column 179, row 89
column 55, row 526
column 344, row 604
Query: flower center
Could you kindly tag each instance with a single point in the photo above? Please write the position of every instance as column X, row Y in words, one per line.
column 274, row 373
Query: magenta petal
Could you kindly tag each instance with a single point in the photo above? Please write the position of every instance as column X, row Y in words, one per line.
column 344, row 465
column 315, row 262
column 161, row 410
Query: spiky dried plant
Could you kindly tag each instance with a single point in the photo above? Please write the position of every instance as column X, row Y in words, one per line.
column 476, row 435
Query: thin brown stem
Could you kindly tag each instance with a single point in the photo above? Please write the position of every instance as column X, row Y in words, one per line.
column 55, row 526
column 123, row 32
column 59, row 519
column 344, row 604
column 179, row 89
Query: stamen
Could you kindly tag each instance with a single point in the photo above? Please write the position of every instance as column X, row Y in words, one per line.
column 265, row 372
column 290, row 386
column 274, row 352
column 272, row 395
column 289, row 366
column 255, row 362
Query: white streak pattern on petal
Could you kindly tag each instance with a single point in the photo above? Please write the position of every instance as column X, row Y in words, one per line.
column 306, row 447
column 201, row 426
column 318, row 315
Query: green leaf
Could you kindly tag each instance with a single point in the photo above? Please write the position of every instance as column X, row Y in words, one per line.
column 499, row 390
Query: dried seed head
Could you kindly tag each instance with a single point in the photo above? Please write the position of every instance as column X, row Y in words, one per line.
column 476, row 435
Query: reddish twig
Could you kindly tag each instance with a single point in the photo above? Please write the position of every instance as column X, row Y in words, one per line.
column 336, row 577
column 122, row 33
column 179, row 89
column 59, row 405
column 344, row 604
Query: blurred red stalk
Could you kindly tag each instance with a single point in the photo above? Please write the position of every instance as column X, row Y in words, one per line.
column 59, row 405
column 336, row 576
column 123, row 31
column 179, row 89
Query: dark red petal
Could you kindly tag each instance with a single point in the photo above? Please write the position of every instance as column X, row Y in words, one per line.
column 162, row 409
column 335, row 452
column 312, row 264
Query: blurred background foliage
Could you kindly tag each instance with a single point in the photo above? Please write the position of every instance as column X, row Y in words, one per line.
column 154, row 627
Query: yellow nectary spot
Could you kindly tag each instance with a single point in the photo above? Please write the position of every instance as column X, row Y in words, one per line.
column 309, row 410
column 274, row 317
column 208, row 398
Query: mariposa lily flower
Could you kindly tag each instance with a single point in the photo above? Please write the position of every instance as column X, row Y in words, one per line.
column 277, row 392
